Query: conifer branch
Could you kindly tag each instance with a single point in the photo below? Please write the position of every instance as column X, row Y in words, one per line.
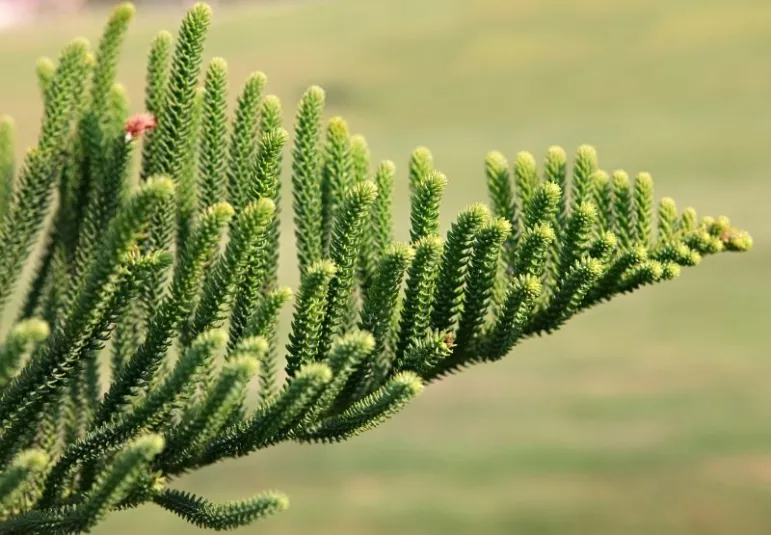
column 12, row 481
column 310, row 313
column 379, row 317
column 228, row 516
column 254, row 278
column 264, row 323
column 419, row 296
column 174, row 308
column 276, row 418
column 420, row 166
column 45, row 374
column 349, row 223
column 243, row 141
column 214, row 135
column 453, row 270
column 271, row 121
column 426, row 199
column 156, row 81
column 373, row 320
column 250, row 231
column 525, row 176
column 32, row 193
column 306, row 180
column 367, row 413
column 378, row 235
column 202, row 422
column 19, row 342
column 7, row 162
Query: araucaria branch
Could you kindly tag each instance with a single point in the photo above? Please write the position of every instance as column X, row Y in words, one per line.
column 133, row 288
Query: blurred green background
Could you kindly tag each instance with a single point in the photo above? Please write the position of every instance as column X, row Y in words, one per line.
column 651, row 414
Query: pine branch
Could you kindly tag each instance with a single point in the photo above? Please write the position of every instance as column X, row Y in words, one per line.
column 346, row 355
column 156, row 81
column 174, row 308
column 335, row 176
column 349, row 223
column 367, row 413
column 276, row 418
column 250, row 230
column 243, row 141
column 306, row 180
column 187, row 191
column 419, row 296
column 603, row 199
column 143, row 415
column 214, row 135
column 427, row 196
column 176, row 113
column 420, row 166
column 31, row 198
column 623, row 215
column 373, row 318
column 525, row 183
column 454, row 266
column 113, row 483
column 271, row 121
column 13, row 480
column 7, row 162
column 264, row 323
column 107, row 57
column 227, row 516
column 20, row 341
column 379, row 317
column 202, row 422
column 481, row 276
column 45, row 375
column 309, row 315
column 584, row 167
column 379, row 232
column 257, row 267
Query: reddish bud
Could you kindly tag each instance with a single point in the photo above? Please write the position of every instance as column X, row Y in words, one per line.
column 138, row 124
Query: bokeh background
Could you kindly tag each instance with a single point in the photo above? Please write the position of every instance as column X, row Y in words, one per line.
column 651, row 414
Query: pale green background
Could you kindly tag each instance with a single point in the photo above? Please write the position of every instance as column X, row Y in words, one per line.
column 649, row 415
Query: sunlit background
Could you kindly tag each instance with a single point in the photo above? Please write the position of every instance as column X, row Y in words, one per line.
column 648, row 415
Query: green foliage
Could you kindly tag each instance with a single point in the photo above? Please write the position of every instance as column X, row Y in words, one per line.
column 231, row 515
column 335, row 176
column 426, row 200
column 157, row 78
column 306, row 179
column 7, row 161
column 244, row 139
column 376, row 318
column 214, row 133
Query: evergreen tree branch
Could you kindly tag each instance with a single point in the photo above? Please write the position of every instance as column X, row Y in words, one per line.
column 306, row 180
column 349, row 225
column 44, row 375
column 143, row 415
column 22, row 339
column 19, row 474
column 138, row 372
column 243, row 141
column 29, row 203
column 214, row 135
column 221, row 517
column 367, row 413
column 264, row 323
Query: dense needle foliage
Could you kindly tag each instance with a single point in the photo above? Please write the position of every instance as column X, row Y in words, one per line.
column 162, row 281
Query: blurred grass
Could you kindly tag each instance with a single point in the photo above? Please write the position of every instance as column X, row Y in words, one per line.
column 647, row 415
